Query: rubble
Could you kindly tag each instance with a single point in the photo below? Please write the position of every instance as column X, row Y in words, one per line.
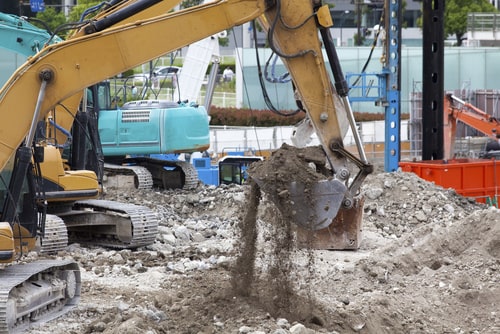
column 429, row 262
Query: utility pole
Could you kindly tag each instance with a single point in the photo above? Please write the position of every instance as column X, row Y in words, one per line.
column 358, row 23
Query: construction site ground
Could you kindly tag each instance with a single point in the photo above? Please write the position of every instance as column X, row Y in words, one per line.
column 429, row 262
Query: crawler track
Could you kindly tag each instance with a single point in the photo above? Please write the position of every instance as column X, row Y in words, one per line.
column 111, row 224
column 142, row 177
column 56, row 235
column 37, row 292
column 156, row 172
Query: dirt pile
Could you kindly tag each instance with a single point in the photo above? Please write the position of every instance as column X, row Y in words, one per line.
column 429, row 262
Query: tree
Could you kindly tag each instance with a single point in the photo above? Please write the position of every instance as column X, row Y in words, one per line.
column 77, row 11
column 455, row 16
column 51, row 18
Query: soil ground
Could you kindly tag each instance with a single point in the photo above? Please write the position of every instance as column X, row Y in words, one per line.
column 429, row 262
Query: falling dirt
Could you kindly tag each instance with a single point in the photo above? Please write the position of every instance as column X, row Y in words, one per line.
column 243, row 271
column 277, row 290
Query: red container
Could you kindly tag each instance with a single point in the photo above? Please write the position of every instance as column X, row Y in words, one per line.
column 478, row 178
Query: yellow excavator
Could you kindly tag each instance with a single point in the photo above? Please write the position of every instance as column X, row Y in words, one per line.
column 297, row 30
column 72, row 184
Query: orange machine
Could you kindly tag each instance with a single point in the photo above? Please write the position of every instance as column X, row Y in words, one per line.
column 457, row 110
column 477, row 178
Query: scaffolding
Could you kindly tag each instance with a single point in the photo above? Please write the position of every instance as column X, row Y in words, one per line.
column 469, row 141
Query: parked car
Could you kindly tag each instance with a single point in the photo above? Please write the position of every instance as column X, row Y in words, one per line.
column 163, row 72
column 134, row 79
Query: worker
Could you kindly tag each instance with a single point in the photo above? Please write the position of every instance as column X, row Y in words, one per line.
column 228, row 74
column 155, row 81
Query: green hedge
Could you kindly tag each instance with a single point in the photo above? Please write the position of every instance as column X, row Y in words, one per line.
column 250, row 117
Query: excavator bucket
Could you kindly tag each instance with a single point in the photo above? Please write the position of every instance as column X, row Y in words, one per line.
column 344, row 232
column 320, row 221
column 295, row 181
column 313, row 208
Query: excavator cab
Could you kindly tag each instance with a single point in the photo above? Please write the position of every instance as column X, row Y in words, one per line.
column 492, row 149
column 233, row 168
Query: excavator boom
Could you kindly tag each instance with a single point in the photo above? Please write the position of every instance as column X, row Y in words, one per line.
column 68, row 67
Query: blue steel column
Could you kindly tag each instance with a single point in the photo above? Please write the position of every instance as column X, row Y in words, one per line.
column 393, row 108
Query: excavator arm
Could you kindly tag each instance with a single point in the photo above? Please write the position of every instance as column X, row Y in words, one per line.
column 62, row 70
column 457, row 110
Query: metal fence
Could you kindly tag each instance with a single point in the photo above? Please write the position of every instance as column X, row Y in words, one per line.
column 483, row 22
column 122, row 87
column 469, row 141
column 263, row 140
column 219, row 99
